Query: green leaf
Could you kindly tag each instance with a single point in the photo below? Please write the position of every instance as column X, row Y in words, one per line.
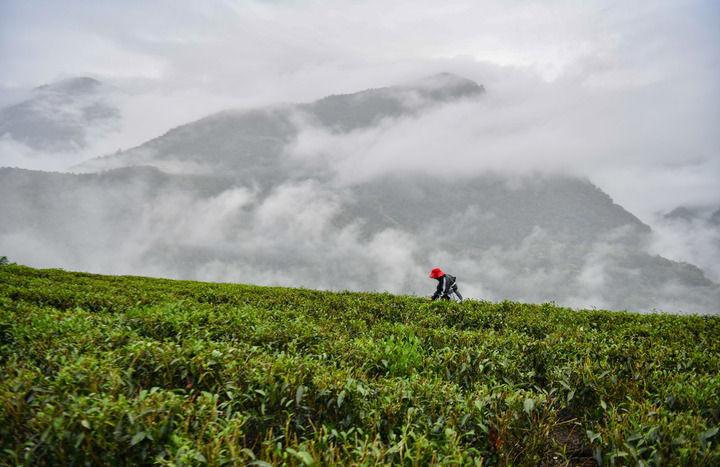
column 303, row 456
column 79, row 440
column 85, row 423
column 299, row 394
column 709, row 433
column 528, row 405
column 248, row 452
column 137, row 438
column 260, row 463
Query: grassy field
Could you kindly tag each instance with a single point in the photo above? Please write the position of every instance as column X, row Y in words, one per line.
column 130, row 370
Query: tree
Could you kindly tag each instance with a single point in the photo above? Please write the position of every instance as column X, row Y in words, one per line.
column 3, row 260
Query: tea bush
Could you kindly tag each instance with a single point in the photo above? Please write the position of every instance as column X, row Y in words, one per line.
column 98, row 370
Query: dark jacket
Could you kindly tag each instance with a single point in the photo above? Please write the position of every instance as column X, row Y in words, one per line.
column 445, row 285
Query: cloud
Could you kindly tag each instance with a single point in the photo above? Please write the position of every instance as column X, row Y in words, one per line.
column 695, row 241
column 624, row 140
column 287, row 237
column 614, row 91
column 279, row 51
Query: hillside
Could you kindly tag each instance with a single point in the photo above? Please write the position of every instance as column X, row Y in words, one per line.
column 131, row 370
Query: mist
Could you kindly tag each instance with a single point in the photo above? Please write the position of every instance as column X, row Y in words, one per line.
column 625, row 96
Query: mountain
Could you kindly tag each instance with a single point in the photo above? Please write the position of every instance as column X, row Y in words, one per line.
column 715, row 217
column 681, row 213
column 221, row 199
column 59, row 116
column 709, row 215
column 250, row 143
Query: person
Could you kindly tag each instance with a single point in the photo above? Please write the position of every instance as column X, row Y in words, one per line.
column 447, row 286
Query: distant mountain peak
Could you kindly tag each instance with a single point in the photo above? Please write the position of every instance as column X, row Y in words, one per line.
column 444, row 87
column 694, row 213
column 447, row 80
column 361, row 109
column 57, row 116
column 681, row 212
column 439, row 86
column 75, row 86
column 715, row 217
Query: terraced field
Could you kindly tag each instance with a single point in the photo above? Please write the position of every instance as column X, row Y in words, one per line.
column 130, row 370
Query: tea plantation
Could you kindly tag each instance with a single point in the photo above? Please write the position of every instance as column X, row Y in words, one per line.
column 104, row 370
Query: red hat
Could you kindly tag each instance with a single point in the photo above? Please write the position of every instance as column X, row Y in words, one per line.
column 436, row 273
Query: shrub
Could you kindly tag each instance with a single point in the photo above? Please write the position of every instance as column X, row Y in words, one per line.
column 129, row 370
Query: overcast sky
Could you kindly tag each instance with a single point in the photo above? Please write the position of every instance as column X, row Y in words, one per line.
column 626, row 93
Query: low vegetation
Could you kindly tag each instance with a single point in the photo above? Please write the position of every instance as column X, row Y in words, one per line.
column 130, row 370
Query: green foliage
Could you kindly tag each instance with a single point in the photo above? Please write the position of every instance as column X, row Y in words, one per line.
column 4, row 261
column 130, row 370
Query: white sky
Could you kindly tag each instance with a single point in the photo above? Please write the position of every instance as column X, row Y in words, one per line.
column 626, row 93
